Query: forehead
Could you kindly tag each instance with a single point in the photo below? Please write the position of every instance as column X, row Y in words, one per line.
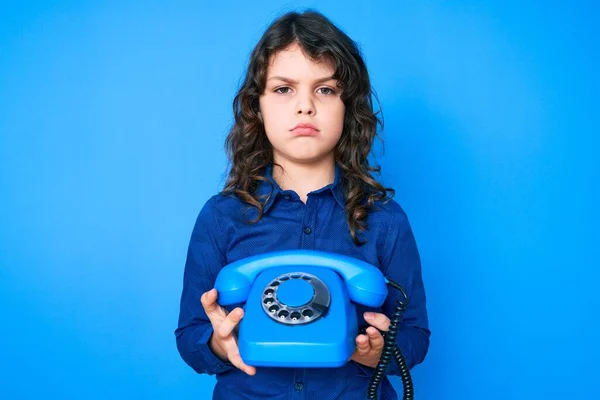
column 292, row 61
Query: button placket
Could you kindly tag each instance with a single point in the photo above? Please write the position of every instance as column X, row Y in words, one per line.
column 308, row 223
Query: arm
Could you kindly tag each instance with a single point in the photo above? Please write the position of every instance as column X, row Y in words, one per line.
column 402, row 264
column 204, row 260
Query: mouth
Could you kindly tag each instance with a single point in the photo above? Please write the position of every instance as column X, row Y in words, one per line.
column 305, row 131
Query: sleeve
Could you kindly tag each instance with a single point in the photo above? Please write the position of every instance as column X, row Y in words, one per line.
column 402, row 264
column 203, row 262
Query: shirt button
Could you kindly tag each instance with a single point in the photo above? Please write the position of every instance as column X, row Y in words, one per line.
column 307, row 230
column 287, row 197
column 298, row 386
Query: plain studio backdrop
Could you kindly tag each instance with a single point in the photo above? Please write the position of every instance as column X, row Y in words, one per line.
column 113, row 116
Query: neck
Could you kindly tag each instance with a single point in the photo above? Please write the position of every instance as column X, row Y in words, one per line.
column 304, row 178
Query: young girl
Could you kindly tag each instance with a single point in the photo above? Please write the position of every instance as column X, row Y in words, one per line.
column 300, row 179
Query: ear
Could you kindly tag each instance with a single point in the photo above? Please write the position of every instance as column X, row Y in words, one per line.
column 259, row 116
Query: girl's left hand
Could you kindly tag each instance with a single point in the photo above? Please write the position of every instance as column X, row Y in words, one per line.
column 369, row 346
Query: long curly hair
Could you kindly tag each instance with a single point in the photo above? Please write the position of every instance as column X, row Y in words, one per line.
column 247, row 147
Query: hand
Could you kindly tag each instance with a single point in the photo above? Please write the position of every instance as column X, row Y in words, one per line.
column 370, row 346
column 223, row 341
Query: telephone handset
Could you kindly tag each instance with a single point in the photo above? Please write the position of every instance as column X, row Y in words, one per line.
column 300, row 309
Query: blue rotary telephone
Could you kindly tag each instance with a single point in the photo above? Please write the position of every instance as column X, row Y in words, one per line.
column 299, row 310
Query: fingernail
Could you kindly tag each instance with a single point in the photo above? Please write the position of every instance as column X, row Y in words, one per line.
column 369, row 315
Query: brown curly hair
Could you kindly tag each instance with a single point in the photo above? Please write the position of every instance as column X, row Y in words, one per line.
column 247, row 146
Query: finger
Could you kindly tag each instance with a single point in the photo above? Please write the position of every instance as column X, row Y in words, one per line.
column 234, row 357
column 213, row 310
column 362, row 345
column 230, row 322
column 378, row 320
column 209, row 301
column 376, row 341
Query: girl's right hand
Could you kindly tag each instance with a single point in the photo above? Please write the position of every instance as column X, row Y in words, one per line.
column 223, row 341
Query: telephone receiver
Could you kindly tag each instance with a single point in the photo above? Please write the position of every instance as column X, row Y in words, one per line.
column 364, row 282
column 299, row 305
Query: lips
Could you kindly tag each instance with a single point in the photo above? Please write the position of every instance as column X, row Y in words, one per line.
column 305, row 130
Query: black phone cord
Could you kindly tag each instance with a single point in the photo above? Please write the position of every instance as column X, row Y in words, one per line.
column 390, row 348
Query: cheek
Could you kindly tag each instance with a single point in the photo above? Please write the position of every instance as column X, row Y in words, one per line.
column 338, row 115
column 273, row 123
column 271, row 114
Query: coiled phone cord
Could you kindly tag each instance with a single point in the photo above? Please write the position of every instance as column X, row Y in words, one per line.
column 390, row 348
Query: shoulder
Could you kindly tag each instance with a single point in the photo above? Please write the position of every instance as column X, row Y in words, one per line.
column 220, row 207
column 213, row 217
column 390, row 213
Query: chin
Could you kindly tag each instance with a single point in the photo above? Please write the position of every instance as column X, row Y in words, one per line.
column 307, row 159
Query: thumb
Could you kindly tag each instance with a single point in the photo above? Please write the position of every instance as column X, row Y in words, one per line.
column 213, row 310
column 378, row 320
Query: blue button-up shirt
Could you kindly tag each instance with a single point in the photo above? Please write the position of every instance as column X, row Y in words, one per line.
column 221, row 235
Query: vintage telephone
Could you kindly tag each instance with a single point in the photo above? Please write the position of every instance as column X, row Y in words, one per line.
column 299, row 310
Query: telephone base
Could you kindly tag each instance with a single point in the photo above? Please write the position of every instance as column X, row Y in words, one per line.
column 328, row 341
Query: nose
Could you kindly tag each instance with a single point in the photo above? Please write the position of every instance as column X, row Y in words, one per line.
column 305, row 105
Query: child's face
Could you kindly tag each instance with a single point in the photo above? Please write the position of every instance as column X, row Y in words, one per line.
column 306, row 98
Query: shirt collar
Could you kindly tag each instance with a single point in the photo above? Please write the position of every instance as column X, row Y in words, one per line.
column 271, row 186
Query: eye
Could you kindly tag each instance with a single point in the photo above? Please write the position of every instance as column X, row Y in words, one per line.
column 328, row 91
column 280, row 88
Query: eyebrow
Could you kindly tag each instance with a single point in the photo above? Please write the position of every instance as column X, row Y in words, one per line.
column 284, row 79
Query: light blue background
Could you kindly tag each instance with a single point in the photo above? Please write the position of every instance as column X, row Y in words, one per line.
column 112, row 122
